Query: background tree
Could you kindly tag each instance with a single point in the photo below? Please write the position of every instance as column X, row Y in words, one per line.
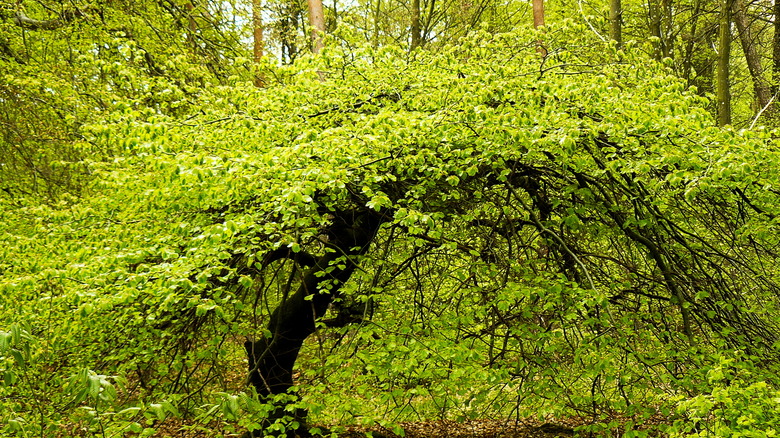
column 616, row 21
column 317, row 22
column 415, row 27
column 748, row 41
column 723, row 97
column 68, row 65
column 257, row 39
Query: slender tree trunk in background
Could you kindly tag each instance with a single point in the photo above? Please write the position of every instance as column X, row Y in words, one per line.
column 191, row 25
column 616, row 21
column 761, row 88
column 690, row 43
column 257, row 28
column 723, row 93
column 776, row 48
column 667, row 39
column 425, row 25
column 317, row 22
column 416, row 29
column 288, row 25
column 654, row 16
column 538, row 6
column 333, row 18
column 377, row 12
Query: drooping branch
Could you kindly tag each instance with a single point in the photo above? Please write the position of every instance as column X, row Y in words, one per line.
column 303, row 258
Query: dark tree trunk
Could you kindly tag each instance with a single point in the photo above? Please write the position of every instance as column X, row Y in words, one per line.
column 271, row 360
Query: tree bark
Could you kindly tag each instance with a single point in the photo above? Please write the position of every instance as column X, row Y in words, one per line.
column 538, row 10
column 191, row 25
column 271, row 359
column 690, row 43
column 292, row 12
column 377, row 11
column 723, row 94
column 317, row 22
column 257, row 33
column 776, row 48
column 761, row 88
column 416, row 28
column 538, row 6
column 616, row 22
column 654, row 16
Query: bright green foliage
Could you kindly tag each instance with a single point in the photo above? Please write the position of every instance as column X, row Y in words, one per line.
column 64, row 65
column 568, row 234
column 735, row 402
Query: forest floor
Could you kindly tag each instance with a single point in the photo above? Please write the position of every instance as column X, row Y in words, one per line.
column 475, row 429
column 450, row 429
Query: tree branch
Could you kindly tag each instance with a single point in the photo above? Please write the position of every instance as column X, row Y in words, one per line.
column 22, row 20
column 304, row 258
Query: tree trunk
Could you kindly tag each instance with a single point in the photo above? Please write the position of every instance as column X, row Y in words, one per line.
column 416, row 28
column 292, row 12
column 616, row 22
column 654, row 16
column 761, row 88
column 667, row 39
column 377, row 11
column 271, row 360
column 776, row 49
column 257, row 28
column 724, row 57
column 538, row 6
column 690, row 43
column 317, row 22
column 538, row 10
column 191, row 26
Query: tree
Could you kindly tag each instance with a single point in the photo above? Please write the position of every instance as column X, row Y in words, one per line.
column 430, row 24
column 317, row 22
column 257, row 38
column 486, row 220
column 724, row 60
column 68, row 65
column 776, row 47
column 538, row 9
column 761, row 89
column 616, row 22
column 415, row 27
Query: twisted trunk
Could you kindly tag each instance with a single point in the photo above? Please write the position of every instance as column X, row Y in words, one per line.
column 271, row 359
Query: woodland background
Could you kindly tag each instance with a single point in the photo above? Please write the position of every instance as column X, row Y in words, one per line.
column 293, row 218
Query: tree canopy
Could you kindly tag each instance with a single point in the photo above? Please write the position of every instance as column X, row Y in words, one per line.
column 480, row 231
